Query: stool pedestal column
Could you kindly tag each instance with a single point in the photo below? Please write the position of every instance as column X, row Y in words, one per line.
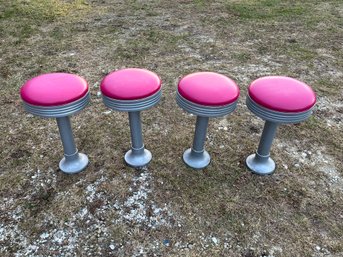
column 260, row 162
column 138, row 156
column 197, row 157
column 73, row 161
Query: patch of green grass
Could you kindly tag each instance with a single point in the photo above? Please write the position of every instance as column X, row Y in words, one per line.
column 241, row 56
column 21, row 19
column 326, row 87
column 41, row 9
column 200, row 3
column 266, row 10
column 148, row 41
column 300, row 52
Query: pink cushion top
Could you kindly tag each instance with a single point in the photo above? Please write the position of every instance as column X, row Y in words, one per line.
column 208, row 88
column 53, row 89
column 130, row 84
column 282, row 94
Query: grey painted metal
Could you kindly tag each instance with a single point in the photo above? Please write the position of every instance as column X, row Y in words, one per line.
column 204, row 110
column 136, row 130
column 60, row 110
column 274, row 116
column 197, row 157
column 138, row 156
column 200, row 133
column 73, row 161
column 260, row 162
column 132, row 105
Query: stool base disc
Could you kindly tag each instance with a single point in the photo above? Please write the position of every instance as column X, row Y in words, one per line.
column 260, row 167
column 196, row 160
column 138, row 159
column 74, row 165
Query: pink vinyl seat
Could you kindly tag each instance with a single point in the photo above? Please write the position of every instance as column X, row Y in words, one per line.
column 208, row 88
column 54, row 89
column 130, row 84
column 282, row 94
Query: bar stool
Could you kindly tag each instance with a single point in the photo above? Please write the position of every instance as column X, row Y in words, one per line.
column 277, row 100
column 59, row 95
column 205, row 94
column 132, row 90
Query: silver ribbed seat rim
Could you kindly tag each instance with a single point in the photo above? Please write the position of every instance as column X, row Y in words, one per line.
column 275, row 116
column 58, row 110
column 132, row 105
column 205, row 110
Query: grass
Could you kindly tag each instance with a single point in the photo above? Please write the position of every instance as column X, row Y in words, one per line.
column 267, row 10
column 40, row 10
column 222, row 210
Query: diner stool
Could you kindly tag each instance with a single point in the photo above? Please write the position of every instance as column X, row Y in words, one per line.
column 59, row 95
column 277, row 100
column 132, row 90
column 207, row 95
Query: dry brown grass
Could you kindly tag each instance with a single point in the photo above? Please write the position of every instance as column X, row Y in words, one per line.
column 223, row 210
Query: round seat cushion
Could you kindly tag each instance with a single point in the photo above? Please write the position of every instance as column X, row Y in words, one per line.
column 208, row 88
column 282, row 94
column 130, row 84
column 53, row 89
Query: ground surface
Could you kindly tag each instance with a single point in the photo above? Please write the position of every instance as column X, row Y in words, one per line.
column 168, row 209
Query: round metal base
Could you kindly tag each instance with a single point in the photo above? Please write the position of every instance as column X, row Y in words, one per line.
column 260, row 166
column 74, row 165
column 196, row 160
column 138, row 159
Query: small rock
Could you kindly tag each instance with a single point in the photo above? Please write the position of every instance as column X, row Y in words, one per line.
column 44, row 235
column 304, row 155
column 215, row 240
column 112, row 247
column 318, row 248
column 166, row 242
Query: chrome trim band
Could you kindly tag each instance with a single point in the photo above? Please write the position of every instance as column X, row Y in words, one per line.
column 132, row 105
column 60, row 110
column 204, row 110
column 275, row 116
